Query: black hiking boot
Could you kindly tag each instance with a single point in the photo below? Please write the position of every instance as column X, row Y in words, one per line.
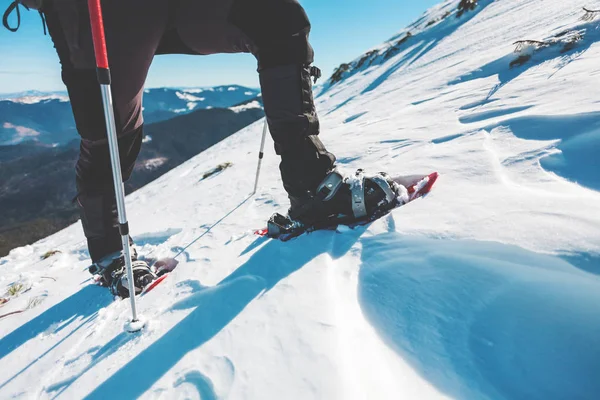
column 340, row 199
column 113, row 274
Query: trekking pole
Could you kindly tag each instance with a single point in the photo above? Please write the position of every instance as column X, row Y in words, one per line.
column 260, row 157
column 103, row 73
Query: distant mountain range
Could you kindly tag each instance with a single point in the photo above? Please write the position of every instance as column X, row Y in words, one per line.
column 37, row 177
column 46, row 118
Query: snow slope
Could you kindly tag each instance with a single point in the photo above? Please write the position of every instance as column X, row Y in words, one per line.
column 488, row 288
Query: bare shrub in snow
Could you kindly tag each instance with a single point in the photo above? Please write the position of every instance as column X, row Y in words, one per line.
column 49, row 254
column 368, row 59
column 525, row 49
column 15, row 289
column 35, row 301
column 369, row 56
column 590, row 14
column 464, row 6
column 394, row 48
column 529, row 46
column 339, row 73
column 216, row 170
column 438, row 19
column 568, row 40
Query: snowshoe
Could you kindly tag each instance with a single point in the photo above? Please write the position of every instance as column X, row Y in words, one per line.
column 161, row 269
column 351, row 201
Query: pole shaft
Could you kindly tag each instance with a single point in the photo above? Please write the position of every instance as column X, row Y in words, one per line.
column 115, row 160
column 102, row 65
column 260, row 156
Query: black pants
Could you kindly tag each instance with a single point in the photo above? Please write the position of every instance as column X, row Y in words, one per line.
column 275, row 31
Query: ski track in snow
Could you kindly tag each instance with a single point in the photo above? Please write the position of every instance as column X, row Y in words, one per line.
column 488, row 288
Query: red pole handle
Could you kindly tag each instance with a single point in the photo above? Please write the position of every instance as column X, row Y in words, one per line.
column 98, row 34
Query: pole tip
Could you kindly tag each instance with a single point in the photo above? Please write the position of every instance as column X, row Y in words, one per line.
column 135, row 325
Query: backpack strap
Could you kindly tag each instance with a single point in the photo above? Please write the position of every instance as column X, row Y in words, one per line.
column 357, row 188
column 14, row 6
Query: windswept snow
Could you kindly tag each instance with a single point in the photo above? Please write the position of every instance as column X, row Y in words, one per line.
column 488, row 288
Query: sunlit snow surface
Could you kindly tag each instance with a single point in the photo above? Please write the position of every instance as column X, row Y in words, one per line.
column 486, row 289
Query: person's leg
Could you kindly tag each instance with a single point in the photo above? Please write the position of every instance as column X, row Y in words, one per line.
column 133, row 32
column 280, row 29
column 276, row 32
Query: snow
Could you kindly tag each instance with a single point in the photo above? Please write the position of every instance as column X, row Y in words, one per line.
column 154, row 163
column 21, row 133
column 39, row 99
column 246, row 106
column 488, row 288
column 188, row 97
column 34, row 96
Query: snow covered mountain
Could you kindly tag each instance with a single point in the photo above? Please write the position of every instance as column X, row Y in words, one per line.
column 46, row 118
column 489, row 288
column 37, row 183
column 164, row 102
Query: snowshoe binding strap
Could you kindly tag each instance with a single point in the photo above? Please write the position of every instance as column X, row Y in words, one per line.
column 330, row 185
column 326, row 190
column 95, row 269
column 357, row 188
column 382, row 182
column 142, row 276
column 279, row 225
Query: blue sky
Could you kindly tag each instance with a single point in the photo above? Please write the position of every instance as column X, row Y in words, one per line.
column 342, row 30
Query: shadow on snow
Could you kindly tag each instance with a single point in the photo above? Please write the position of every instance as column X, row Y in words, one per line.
column 72, row 313
column 483, row 319
column 215, row 307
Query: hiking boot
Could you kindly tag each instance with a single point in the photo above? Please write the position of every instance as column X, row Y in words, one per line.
column 357, row 197
column 113, row 274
